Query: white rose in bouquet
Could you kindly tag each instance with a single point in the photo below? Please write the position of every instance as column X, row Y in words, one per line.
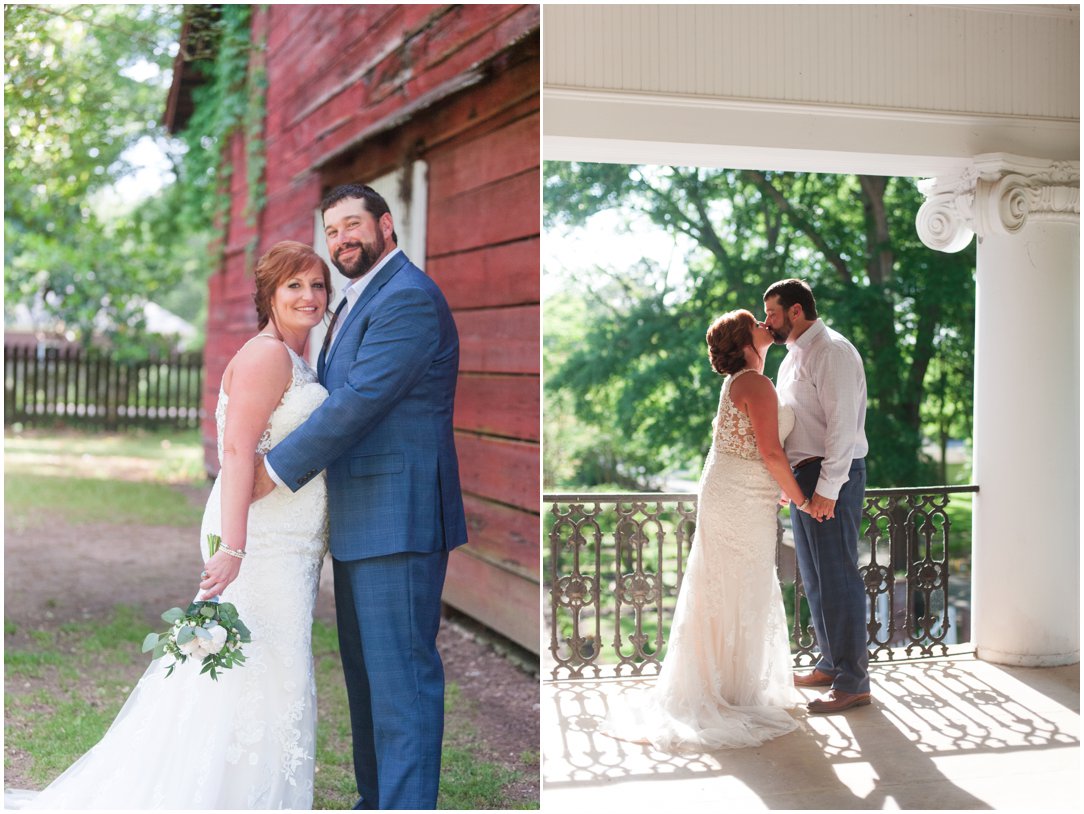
column 218, row 639
column 193, row 646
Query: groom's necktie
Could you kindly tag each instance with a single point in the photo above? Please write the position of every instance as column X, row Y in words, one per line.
column 331, row 326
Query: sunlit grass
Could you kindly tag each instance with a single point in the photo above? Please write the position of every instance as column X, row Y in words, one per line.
column 162, row 444
column 91, row 478
column 172, row 456
column 33, row 500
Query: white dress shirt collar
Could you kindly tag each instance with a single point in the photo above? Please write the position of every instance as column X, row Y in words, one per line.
column 809, row 336
column 353, row 291
column 354, row 288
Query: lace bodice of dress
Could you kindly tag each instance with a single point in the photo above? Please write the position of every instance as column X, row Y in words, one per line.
column 293, row 402
column 734, row 429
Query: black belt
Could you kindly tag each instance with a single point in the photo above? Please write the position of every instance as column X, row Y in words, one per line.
column 807, row 461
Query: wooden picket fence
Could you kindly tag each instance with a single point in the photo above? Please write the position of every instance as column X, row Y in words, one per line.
column 78, row 387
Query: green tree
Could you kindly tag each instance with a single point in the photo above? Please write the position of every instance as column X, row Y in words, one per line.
column 83, row 85
column 641, row 367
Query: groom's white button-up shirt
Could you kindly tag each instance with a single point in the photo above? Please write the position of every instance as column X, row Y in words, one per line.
column 823, row 381
column 350, row 294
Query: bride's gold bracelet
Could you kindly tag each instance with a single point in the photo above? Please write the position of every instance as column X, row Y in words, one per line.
column 804, row 504
column 237, row 552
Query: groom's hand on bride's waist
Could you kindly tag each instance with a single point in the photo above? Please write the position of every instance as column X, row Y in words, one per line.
column 262, row 485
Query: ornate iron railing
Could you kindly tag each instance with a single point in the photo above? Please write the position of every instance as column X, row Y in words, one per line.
column 615, row 563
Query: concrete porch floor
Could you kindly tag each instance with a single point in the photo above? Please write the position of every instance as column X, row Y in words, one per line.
column 950, row 733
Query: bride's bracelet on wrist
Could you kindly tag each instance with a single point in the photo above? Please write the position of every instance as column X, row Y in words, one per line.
column 239, row 553
column 805, row 503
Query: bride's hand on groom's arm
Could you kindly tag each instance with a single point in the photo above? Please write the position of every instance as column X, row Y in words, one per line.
column 262, row 485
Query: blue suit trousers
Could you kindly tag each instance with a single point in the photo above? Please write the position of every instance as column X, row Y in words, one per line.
column 828, row 561
column 388, row 610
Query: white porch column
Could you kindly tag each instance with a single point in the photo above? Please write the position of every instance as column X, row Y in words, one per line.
column 1026, row 564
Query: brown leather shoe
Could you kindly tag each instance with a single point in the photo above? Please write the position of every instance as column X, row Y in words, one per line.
column 817, row 678
column 837, row 701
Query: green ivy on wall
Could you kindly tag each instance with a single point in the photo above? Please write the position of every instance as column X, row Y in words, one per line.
column 231, row 100
column 255, row 148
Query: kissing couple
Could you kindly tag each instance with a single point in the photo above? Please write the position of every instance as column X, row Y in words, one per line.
column 358, row 455
column 727, row 679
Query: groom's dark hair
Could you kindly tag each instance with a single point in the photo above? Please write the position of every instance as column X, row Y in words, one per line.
column 374, row 202
column 793, row 292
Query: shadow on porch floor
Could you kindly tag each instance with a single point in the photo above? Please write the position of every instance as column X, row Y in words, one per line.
column 951, row 733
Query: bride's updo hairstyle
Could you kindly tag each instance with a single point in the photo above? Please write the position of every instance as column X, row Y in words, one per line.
column 283, row 261
column 727, row 339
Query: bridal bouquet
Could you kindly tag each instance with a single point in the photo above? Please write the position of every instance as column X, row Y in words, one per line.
column 209, row 630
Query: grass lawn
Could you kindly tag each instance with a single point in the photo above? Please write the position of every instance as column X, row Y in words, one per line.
column 102, row 477
column 90, row 500
column 64, row 689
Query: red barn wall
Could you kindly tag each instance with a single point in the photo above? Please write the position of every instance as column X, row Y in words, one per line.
column 339, row 80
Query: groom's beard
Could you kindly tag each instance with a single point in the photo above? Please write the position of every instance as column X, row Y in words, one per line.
column 780, row 336
column 368, row 254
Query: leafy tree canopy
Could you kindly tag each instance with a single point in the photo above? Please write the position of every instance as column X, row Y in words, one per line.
column 637, row 380
column 83, row 85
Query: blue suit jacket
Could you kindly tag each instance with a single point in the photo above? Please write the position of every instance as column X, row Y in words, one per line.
column 384, row 434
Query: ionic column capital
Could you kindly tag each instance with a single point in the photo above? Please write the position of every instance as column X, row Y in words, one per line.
column 996, row 193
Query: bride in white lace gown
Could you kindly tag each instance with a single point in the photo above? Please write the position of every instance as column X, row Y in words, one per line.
column 726, row 681
column 247, row 740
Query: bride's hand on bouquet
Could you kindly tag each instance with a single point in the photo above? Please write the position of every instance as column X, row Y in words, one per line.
column 218, row 573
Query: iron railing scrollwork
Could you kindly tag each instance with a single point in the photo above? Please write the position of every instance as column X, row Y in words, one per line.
column 615, row 564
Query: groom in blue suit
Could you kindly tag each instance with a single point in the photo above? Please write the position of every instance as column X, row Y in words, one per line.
column 385, row 437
